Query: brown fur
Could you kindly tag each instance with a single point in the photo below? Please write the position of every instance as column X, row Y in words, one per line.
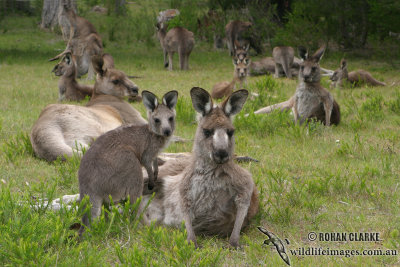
column 63, row 130
column 83, row 40
column 283, row 58
column 223, row 89
column 354, row 78
column 113, row 164
column 178, row 40
column 212, row 194
column 235, row 31
column 68, row 87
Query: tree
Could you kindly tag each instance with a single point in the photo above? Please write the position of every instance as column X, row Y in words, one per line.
column 51, row 9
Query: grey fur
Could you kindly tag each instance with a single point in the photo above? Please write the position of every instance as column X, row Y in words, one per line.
column 113, row 164
column 283, row 58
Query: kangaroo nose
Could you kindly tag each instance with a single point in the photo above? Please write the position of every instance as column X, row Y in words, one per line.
column 167, row 132
column 134, row 89
column 221, row 156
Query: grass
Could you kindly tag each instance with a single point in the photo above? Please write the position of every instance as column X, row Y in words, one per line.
column 310, row 178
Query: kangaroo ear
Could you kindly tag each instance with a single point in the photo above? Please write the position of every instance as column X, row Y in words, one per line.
column 343, row 63
column 246, row 47
column 68, row 58
column 98, row 63
column 234, row 103
column 149, row 100
column 201, row 100
column 170, row 99
column 318, row 55
column 235, row 61
column 302, row 52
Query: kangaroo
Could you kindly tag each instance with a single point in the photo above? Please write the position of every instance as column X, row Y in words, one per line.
column 283, row 57
column 68, row 88
column 62, row 130
column 225, row 88
column 83, row 40
column 240, row 52
column 113, row 164
column 311, row 100
column 236, row 31
column 178, row 40
column 355, row 78
column 212, row 194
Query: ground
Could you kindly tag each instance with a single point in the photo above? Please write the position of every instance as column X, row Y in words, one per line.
column 342, row 179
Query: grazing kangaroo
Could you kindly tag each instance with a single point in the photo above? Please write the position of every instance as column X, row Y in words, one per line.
column 83, row 40
column 178, row 40
column 311, row 100
column 223, row 89
column 64, row 129
column 236, row 31
column 113, row 164
column 68, row 88
column 213, row 195
column 283, row 58
column 354, row 78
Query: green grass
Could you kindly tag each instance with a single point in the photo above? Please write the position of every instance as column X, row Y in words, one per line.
column 310, row 178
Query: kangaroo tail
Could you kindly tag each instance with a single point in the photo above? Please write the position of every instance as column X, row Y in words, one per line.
column 282, row 106
column 286, row 67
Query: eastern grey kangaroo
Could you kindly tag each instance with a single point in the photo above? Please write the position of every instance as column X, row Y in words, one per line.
column 283, row 57
column 311, row 100
column 354, row 78
column 178, row 40
column 113, row 164
column 211, row 193
column 68, row 87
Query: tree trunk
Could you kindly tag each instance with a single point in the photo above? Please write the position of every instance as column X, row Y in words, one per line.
column 51, row 9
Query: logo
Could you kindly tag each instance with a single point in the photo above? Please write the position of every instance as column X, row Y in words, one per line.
column 277, row 242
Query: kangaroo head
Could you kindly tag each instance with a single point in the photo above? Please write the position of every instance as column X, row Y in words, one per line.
column 240, row 51
column 111, row 81
column 161, row 116
column 65, row 67
column 241, row 67
column 309, row 68
column 341, row 72
column 214, row 140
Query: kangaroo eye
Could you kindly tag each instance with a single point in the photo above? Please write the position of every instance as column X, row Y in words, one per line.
column 115, row 81
column 314, row 68
column 171, row 119
column 230, row 132
column 157, row 120
column 207, row 133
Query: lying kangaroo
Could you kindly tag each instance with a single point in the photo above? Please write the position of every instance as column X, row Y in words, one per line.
column 283, row 58
column 223, row 89
column 354, row 78
column 68, row 88
column 83, row 39
column 236, row 31
column 212, row 194
column 64, row 129
column 113, row 164
column 311, row 100
column 178, row 40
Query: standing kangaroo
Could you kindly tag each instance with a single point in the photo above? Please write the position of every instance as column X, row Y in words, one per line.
column 311, row 100
column 178, row 40
column 113, row 164
column 213, row 195
column 62, row 130
column 237, row 31
column 83, row 39
column 355, row 78
column 223, row 89
column 283, row 57
column 68, row 87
